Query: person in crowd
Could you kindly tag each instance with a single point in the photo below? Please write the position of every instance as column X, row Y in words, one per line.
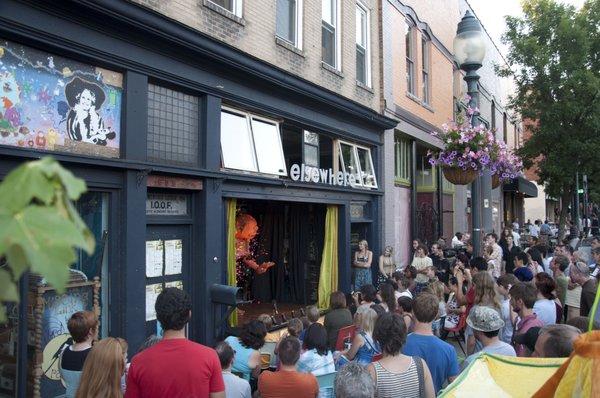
column 405, row 311
column 388, row 298
column 338, row 317
column 595, row 225
column 477, row 265
column 457, row 242
column 175, row 366
column 453, row 310
column 441, row 264
column 505, row 282
column 387, row 265
column 509, row 255
column 415, row 246
column 536, row 261
column 494, row 272
column 366, row 297
column 312, row 315
column 411, row 275
column 595, row 264
column 439, row 355
column 559, row 266
column 522, row 300
column 485, row 296
column 555, row 341
column 545, row 307
column 247, row 346
column 502, row 242
column 83, row 327
column 379, row 310
column 354, row 381
column 363, row 346
column 103, row 369
column 580, row 322
column 423, row 264
column 579, row 273
column 361, row 266
column 461, row 261
column 486, row 324
column 295, row 327
column 528, row 340
column 469, row 249
column 437, row 288
column 534, row 230
column 149, row 342
column 403, row 284
column 316, row 357
column 235, row 386
column 496, row 255
column 268, row 321
column 396, row 374
column 288, row 382
column 522, row 271
column 516, row 235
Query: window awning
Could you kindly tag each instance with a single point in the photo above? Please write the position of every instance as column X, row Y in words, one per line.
column 521, row 185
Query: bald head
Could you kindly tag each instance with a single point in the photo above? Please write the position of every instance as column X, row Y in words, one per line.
column 556, row 341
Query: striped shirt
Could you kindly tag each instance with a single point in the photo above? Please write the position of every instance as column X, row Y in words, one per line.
column 391, row 385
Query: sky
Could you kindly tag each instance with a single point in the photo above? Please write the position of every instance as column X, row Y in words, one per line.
column 491, row 13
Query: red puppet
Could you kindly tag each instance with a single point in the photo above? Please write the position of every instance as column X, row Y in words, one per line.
column 246, row 228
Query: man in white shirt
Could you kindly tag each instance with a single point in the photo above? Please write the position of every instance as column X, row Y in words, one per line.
column 534, row 230
column 235, row 387
column 457, row 241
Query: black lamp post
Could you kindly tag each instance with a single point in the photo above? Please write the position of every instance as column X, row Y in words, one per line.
column 469, row 51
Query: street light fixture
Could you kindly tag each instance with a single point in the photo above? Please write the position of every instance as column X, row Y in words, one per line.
column 469, row 51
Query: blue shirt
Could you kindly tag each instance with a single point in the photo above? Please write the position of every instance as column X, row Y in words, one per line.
column 242, row 357
column 523, row 274
column 439, row 356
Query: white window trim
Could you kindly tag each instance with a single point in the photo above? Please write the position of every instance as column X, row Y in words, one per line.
column 338, row 37
column 426, row 67
column 355, row 148
column 249, row 117
column 236, row 9
column 412, row 88
column 298, row 25
column 361, row 5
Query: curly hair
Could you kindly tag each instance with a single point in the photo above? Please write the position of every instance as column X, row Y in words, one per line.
column 253, row 335
column 173, row 308
column 485, row 290
column 390, row 332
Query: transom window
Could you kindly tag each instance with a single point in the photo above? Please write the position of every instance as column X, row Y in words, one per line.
column 251, row 143
column 356, row 160
column 289, row 21
column 363, row 56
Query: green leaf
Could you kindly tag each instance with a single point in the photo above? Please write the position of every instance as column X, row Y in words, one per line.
column 24, row 184
column 9, row 291
column 74, row 186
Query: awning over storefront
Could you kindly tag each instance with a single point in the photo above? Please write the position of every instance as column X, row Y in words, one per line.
column 521, row 185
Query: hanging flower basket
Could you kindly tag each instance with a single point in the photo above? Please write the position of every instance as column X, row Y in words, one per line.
column 495, row 181
column 458, row 176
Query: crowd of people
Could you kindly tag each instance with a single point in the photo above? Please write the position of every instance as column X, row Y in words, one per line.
column 386, row 339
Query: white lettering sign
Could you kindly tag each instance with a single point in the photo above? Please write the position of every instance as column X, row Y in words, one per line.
column 304, row 173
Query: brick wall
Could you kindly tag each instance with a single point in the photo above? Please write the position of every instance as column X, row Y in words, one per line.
column 254, row 34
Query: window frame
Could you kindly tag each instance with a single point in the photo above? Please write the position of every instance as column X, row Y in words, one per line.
column 250, row 131
column 336, row 15
column 355, row 147
column 402, row 160
column 298, row 18
column 305, row 144
column 426, row 68
column 410, row 57
column 361, row 7
column 237, row 7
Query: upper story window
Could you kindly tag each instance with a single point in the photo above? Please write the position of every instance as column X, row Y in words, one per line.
column 289, row 21
column 172, row 127
column 330, row 33
column 251, row 143
column 363, row 50
column 233, row 6
column 410, row 56
column 494, row 125
column 505, row 127
column 356, row 160
column 402, row 150
column 425, row 67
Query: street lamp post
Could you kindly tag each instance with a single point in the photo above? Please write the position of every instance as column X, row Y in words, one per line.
column 469, row 51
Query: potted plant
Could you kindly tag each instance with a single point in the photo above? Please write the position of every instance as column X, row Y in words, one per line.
column 505, row 164
column 467, row 150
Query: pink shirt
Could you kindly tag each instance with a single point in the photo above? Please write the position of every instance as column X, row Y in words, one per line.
column 523, row 326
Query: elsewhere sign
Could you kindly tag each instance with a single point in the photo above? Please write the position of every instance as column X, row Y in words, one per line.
column 306, row 173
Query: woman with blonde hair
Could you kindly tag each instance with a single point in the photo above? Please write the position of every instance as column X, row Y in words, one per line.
column 361, row 266
column 104, row 369
column 486, row 295
column 363, row 346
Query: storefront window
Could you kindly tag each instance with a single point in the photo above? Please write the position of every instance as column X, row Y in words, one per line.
column 267, row 144
column 357, row 160
column 349, row 161
column 311, row 149
column 366, row 168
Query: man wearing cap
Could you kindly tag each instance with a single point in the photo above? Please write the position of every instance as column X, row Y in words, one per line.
column 486, row 324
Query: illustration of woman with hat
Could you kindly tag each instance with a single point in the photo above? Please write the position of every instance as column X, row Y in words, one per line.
column 84, row 122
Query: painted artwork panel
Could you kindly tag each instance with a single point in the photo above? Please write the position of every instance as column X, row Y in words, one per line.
column 52, row 103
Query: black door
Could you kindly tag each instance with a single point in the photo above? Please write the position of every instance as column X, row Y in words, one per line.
column 168, row 258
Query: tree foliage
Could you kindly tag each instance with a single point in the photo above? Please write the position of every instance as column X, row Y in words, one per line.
column 554, row 58
column 39, row 226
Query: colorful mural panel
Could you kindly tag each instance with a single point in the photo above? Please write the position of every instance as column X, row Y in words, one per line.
column 48, row 102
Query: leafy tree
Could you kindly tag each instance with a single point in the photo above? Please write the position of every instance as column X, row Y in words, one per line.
column 554, row 58
column 39, row 226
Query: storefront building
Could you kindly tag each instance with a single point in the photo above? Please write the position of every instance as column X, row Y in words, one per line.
column 175, row 133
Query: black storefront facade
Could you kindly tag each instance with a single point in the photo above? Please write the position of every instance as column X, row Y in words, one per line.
column 153, row 185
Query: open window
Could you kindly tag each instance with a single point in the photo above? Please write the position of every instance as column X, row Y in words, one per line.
column 356, row 160
column 251, row 143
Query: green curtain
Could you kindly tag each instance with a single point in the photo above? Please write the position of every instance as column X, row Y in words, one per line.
column 231, row 274
column 328, row 278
